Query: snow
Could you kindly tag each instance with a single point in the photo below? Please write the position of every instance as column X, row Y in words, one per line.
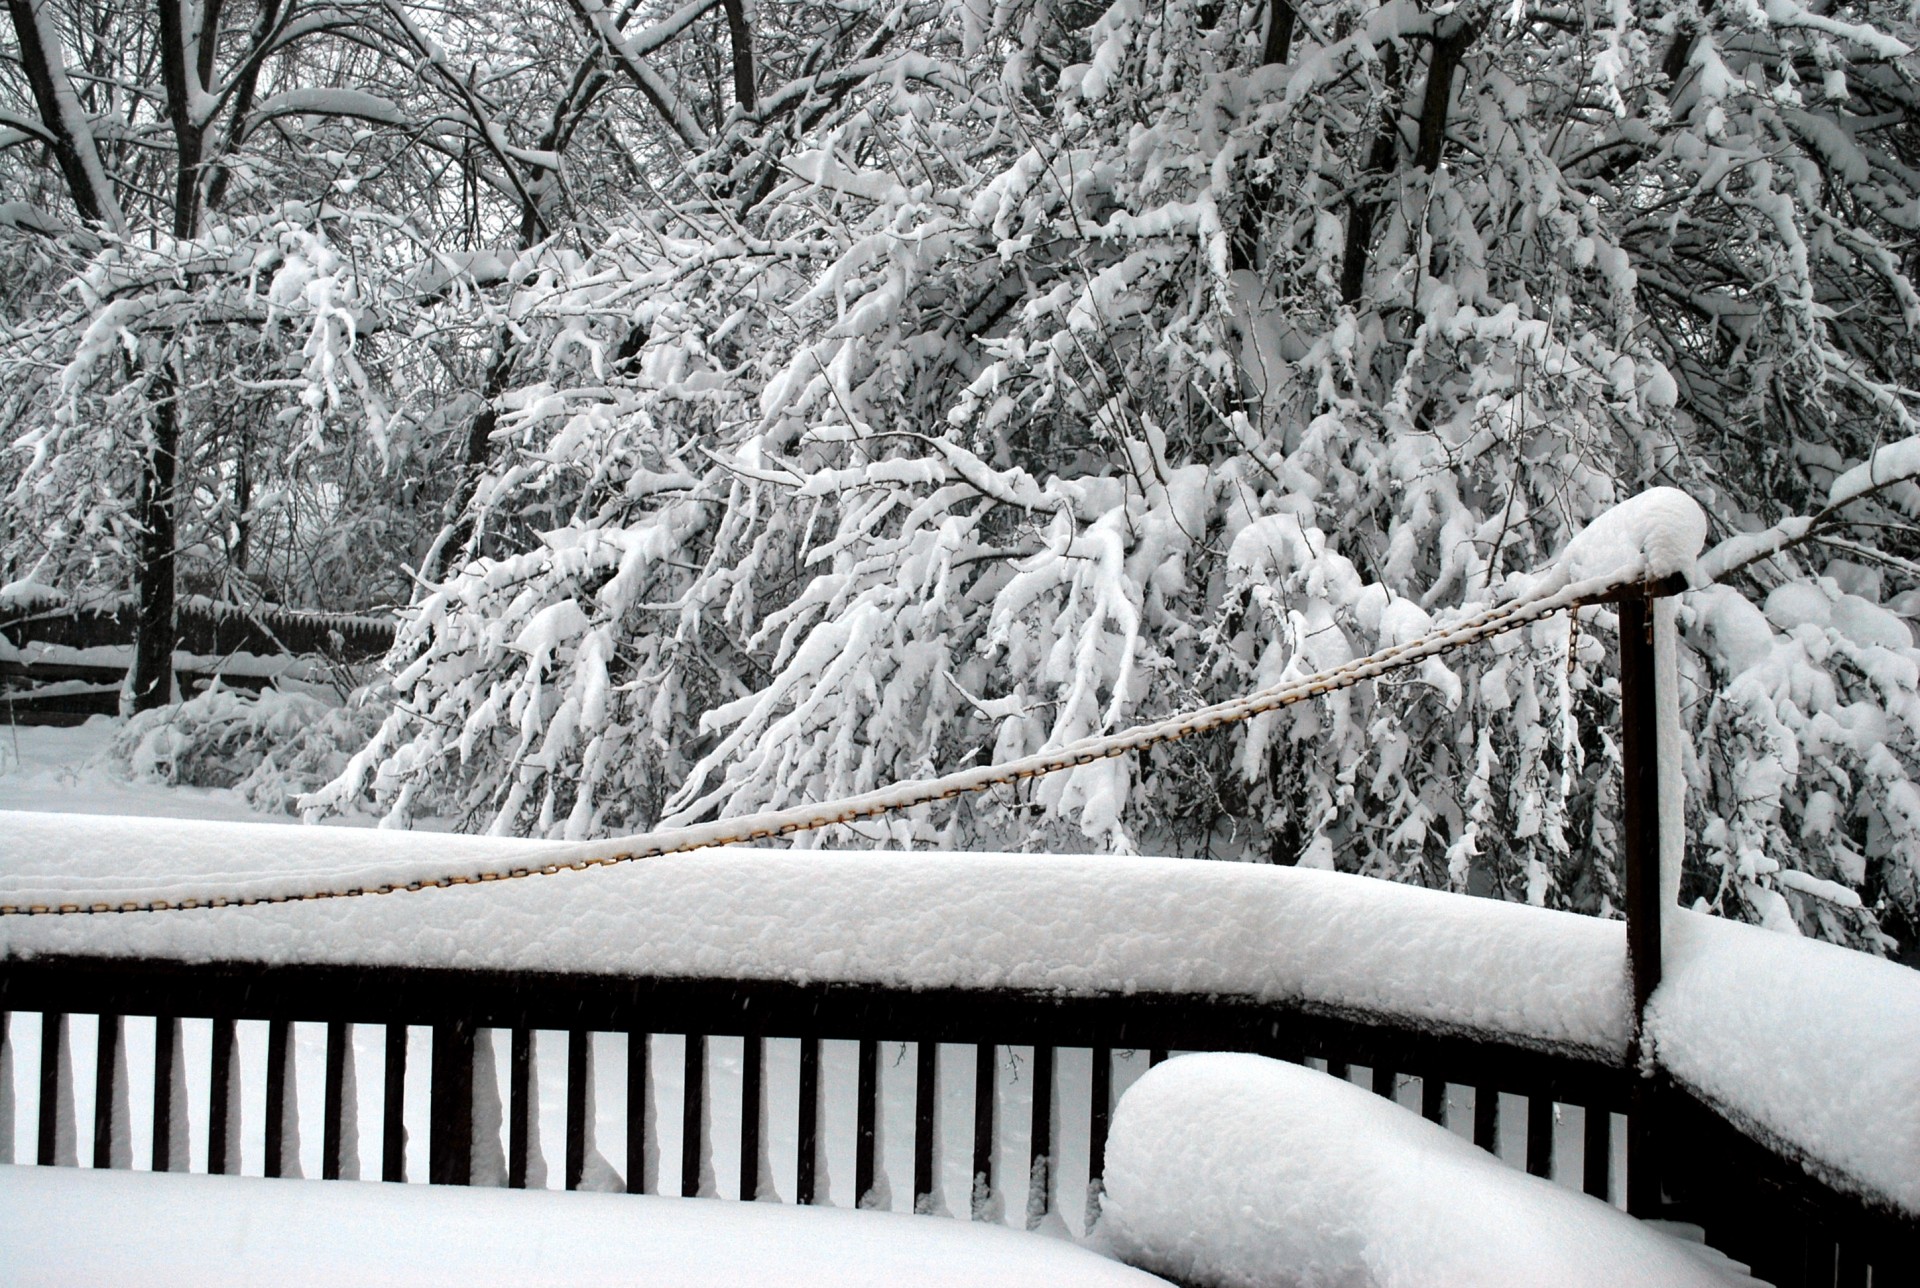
column 1324, row 940
column 1813, row 1046
column 44, row 767
column 1236, row 1169
column 62, row 1226
column 1655, row 534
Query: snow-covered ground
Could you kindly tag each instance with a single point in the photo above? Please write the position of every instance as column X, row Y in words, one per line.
column 48, row 768
column 66, row 1228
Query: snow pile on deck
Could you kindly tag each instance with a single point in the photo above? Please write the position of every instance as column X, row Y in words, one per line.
column 1239, row 1170
column 1812, row 1046
column 921, row 920
column 62, row 1226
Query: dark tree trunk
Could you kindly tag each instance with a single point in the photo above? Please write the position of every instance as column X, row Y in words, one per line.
column 1362, row 206
column 479, row 448
column 153, row 570
column 742, row 41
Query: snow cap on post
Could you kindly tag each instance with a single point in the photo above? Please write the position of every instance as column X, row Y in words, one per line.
column 1644, row 538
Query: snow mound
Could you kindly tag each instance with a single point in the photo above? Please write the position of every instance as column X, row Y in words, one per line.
column 1239, row 1170
column 1653, row 535
column 1813, row 1046
column 1062, row 923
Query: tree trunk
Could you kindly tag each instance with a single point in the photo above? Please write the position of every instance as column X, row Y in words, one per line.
column 153, row 571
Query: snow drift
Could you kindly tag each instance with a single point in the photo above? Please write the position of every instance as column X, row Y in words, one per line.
column 1239, row 1170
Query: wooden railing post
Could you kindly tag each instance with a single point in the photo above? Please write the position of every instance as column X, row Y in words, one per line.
column 450, row 1100
column 1640, row 808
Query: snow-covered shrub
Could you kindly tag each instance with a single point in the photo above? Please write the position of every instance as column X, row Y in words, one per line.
column 1081, row 369
column 270, row 747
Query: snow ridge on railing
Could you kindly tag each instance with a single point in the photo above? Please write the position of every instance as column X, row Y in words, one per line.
column 1642, row 546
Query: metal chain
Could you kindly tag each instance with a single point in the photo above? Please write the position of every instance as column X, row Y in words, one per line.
column 902, row 796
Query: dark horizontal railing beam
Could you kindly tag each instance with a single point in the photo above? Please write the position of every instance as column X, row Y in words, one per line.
column 777, row 1008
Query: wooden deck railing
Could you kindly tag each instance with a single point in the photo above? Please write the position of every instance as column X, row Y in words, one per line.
column 1756, row 1206
column 1684, row 1160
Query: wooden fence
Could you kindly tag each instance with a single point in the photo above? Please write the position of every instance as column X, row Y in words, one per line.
column 65, row 689
column 1757, row 1206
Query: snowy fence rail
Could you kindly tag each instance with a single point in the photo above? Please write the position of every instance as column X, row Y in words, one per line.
column 993, row 1103
column 67, row 658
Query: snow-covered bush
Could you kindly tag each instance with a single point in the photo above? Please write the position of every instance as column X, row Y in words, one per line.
column 271, row 746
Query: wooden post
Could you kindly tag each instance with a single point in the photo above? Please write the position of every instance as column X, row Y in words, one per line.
column 866, row 1122
column 279, row 1044
column 579, row 1057
column 393, row 1126
column 693, row 1117
column 1040, row 1168
column 53, row 1074
column 520, row 1108
column 753, row 1056
column 166, row 1049
column 1640, row 809
column 333, row 1114
column 807, row 1169
column 450, row 1100
column 926, row 1094
column 639, row 1063
column 986, row 1073
column 106, row 1065
column 223, row 1145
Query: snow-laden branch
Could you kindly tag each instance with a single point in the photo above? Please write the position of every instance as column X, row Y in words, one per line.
column 1887, row 467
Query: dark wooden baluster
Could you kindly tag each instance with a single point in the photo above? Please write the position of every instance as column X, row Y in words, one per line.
column 106, row 1065
column 577, row 1057
column 693, row 1115
column 1386, row 1081
column 806, row 1168
column 866, row 1111
column 450, row 1105
column 1596, row 1155
column 1540, row 1135
column 639, row 1057
column 223, row 1152
column 1338, row 1069
column 53, row 1052
column 333, row 1112
column 926, row 1094
column 1101, row 1114
column 519, row 1108
column 752, row 1074
column 279, row 1037
column 1486, row 1117
column 393, row 1123
column 1433, row 1099
column 167, row 1116
column 986, row 1066
column 1158, row 1055
column 1040, row 1168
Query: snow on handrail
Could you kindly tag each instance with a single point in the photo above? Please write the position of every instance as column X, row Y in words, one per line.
column 1642, row 546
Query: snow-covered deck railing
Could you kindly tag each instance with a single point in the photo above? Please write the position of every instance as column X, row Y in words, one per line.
column 1770, row 1088
column 1812, row 1051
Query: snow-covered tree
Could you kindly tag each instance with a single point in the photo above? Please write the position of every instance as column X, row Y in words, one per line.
column 907, row 385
